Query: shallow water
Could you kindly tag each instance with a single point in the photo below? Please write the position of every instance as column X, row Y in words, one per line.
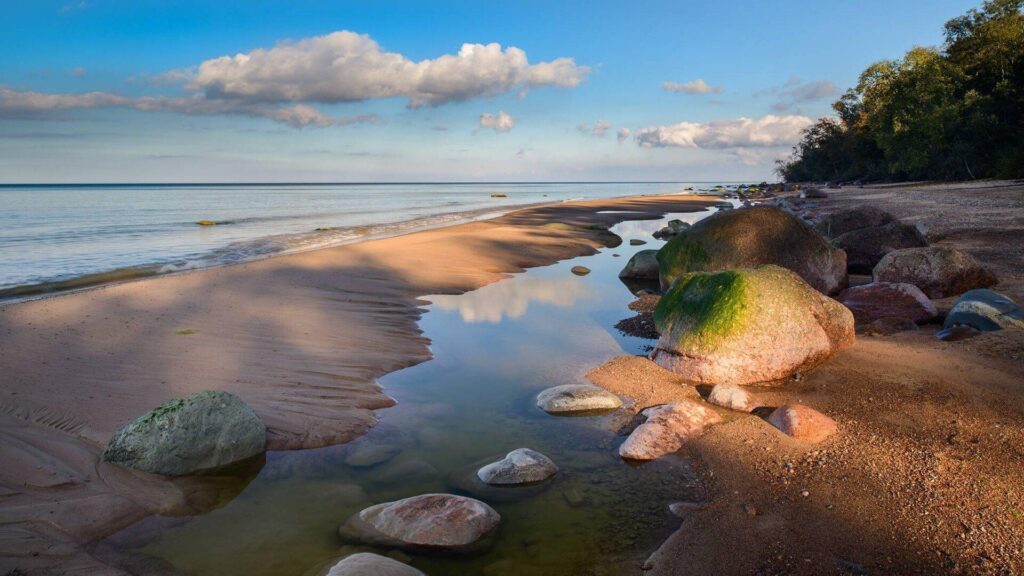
column 494, row 349
column 88, row 234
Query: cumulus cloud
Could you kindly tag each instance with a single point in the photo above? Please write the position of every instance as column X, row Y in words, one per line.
column 698, row 86
column 348, row 67
column 500, row 122
column 622, row 135
column 767, row 131
column 599, row 130
column 794, row 92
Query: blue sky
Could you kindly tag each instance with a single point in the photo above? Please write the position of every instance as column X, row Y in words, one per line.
column 107, row 91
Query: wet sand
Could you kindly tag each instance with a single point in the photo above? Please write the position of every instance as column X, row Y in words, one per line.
column 301, row 338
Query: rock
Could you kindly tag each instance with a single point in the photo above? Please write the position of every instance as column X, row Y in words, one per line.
column 206, row 223
column 673, row 228
column 888, row 300
column 499, row 195
column 887, row 326
column 574, row 497
column 520, row 466
column 407, row 471
column 938, row 272
column 752, row 237
column 366, row 454
column 439, row 521
column 580, row 270
column 642, row 266
column 955, row 333
column 866, row 246
column 747, row 326
column 369, row 564
column 985, row 310
column 637, row 242
column 204, row 431
column 577, row 398
column 731, row 397
column 838, row 223
column 803, row 423
column 666, row 429
column 813, row 193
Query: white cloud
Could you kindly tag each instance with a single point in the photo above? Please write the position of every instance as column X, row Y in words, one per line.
column 599, row 130
column 622, row 135
column 348, row 67
column 767, row 131
column 698, row 86
column 500, row 122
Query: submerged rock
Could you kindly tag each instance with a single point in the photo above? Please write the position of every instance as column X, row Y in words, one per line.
column 877, row 300
column 803, row 423
column 637, row 242
column 866, row 246
column 369, row 564
column 202, row 432
column 569, row 398
column 642, row 266
column 985, row 310
column 666, row 429
column 731, row 397
column 752, row 237
column 747, row 326
column 938, row 272
column 441, row 521
column 367, row 454
column 839, row 223
column 520, row 466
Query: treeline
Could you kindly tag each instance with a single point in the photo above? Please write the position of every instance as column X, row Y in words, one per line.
column 949, row 113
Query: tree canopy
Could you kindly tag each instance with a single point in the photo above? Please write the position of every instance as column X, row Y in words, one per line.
column 949, row 113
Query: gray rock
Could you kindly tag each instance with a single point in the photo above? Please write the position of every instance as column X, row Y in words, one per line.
column 938, row 271
column 813, row 193
column 866, row 246
column 643, row 265
column 204, row 431
column 985, row 310
column 577, row 398
column 731, row 397
column 520, row 466
column 839, row 223
column 438, row 521
column 369, row 564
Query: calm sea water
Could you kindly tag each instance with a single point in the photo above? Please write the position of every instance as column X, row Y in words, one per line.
column 55, row 237
column 494, row 349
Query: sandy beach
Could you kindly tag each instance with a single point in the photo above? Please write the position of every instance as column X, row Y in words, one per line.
column 301, row 338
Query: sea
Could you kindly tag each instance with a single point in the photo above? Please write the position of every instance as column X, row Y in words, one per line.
column 62, row 237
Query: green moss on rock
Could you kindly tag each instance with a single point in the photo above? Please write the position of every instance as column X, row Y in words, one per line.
column 711, row 305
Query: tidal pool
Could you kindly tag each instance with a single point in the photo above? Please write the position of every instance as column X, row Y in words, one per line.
column 494, row 349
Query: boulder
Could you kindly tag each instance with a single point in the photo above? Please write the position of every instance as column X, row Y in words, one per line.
column 866, row 246
column 367, row 454
column 673, row 228
column 520, row 466
column 731, row 397
column 369, row 564
column 752, row 237
column 877, row 300
column 747, row 326
column 437, row 521
column 985, row 310
column 813, row 193
column 202, row 432
column 642, row 266
column 838, row 223
column 803, row 423
column 637, row 242
column 569, row 398
column 666, row 429
column 938, row 272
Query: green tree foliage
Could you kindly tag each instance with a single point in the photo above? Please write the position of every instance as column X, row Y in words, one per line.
column 954, row 113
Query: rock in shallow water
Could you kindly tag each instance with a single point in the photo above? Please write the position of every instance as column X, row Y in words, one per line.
column 520, row 466
column 666, row 429
column 877, row 300
column 938, row 272
column 803, row 423
column 442, row 521
column 643, row 265
column 985, row 310
column 368, row 564
column 747, row 326
column 580, row 270
column 202, row 432
column 577, row 398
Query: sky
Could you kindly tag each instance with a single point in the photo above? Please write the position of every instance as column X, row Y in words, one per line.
column 317, row 91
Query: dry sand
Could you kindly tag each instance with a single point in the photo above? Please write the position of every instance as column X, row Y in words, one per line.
column 927, row 473
column 301, row 338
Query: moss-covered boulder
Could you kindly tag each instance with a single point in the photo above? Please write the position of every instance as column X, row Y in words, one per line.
column 753, row 237
column 202, row 432
column 747, row 326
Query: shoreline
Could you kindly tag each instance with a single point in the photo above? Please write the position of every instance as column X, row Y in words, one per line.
column 301, row 337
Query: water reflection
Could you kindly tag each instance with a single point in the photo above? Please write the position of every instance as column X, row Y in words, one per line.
column 502, row 300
